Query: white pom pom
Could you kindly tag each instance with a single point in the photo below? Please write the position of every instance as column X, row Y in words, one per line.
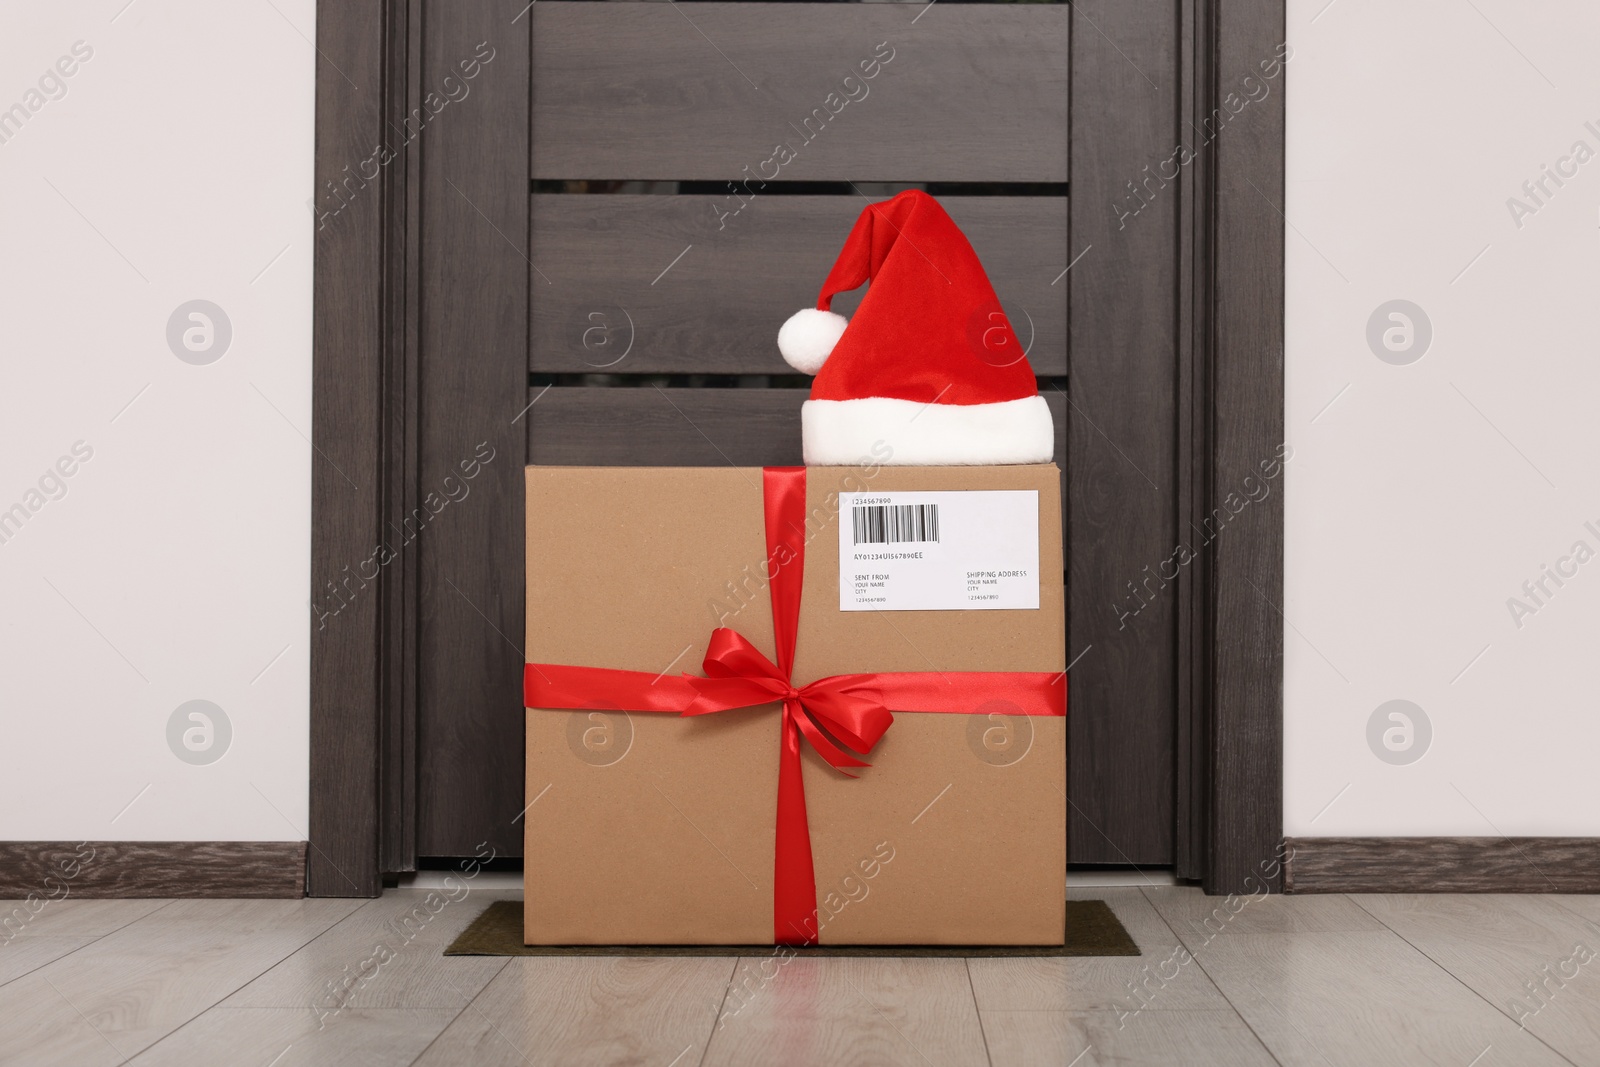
column 808, row 337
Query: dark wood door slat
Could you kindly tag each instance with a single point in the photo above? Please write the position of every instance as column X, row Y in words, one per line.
column 1122, row 484
column 473, row 337
column 648, row 427
column 664, row 284
column 702, row 91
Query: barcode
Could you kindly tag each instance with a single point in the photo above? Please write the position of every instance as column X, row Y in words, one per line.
column 883, row 524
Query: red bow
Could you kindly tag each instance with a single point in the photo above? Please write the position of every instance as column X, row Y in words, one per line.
column 852, row 707
column 739, row 676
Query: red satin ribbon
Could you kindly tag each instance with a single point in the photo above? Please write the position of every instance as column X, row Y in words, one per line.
column 851, row 707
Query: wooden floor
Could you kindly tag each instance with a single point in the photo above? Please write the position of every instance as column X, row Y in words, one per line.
column 1468, row 981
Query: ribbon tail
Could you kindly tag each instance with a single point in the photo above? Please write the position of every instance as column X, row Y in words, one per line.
column 794, row 903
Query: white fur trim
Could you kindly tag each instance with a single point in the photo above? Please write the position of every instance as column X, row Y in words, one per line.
column 838, row 433
column 807, row 339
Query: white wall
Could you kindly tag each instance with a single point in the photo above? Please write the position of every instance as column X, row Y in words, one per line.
column 1426, row 494
column 1419, row 501
column 176, row 166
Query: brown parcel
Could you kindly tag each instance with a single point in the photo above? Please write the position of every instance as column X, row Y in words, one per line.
column 658, row 829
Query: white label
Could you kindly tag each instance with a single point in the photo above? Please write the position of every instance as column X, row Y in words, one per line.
column 949, row 551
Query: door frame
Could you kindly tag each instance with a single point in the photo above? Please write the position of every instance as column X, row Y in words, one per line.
column 1229, row 241
column 1231, row 414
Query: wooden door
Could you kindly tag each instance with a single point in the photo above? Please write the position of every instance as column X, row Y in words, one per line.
column 561, row 251
column 602, row 271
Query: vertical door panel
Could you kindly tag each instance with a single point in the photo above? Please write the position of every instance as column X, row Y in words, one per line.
column 1121, row 483
column 473, row 368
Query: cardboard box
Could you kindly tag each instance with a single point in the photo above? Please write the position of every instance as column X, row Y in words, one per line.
column 652, row 828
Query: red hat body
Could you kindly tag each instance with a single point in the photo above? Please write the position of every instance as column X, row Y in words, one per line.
column 929, row 368
column 930, row 327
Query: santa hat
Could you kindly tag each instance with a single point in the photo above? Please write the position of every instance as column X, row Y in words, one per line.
column 929, row 366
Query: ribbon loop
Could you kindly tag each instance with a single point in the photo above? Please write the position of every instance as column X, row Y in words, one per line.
column 855, row 714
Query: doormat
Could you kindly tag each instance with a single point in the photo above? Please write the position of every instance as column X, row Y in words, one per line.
column 1092, row 930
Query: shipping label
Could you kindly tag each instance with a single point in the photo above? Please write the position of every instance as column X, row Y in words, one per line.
column 944, row 551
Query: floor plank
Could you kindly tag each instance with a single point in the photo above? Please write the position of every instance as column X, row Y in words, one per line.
column 134, row 986
column 39, row 1025
column 1361, row 998
column 1197, row 919
column 588, row 1010
column 1527, row 955
column 1584, row 905
column 388, row 954
column 1164, row 977
column 72, row 918
column 292, row 1037
column 35, row 933
column 1307, row 980
column 848, row 1011
column 1085, row 1039
column 27, row 954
